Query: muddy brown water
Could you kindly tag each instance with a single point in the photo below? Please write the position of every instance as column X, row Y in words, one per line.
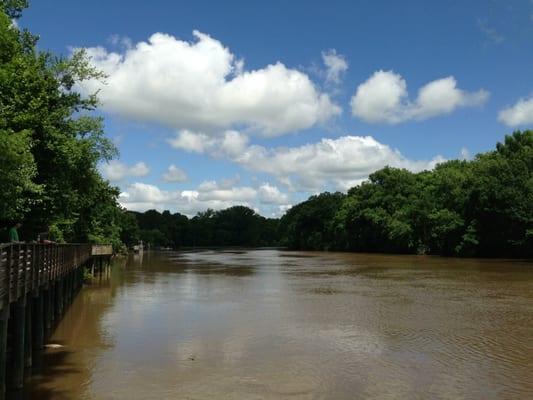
column 269, row 324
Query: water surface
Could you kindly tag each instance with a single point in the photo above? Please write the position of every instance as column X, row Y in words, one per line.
column 268, row 324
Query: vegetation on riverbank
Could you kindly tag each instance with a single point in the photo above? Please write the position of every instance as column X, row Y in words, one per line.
column 50, row 144
column 234, row 226
column 482, row 207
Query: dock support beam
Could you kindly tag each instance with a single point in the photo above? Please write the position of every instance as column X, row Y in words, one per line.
column 47, row 311
column 19, row 320
column 58, row 297
column 4, row 317
column 28, row 332
column 38, row 326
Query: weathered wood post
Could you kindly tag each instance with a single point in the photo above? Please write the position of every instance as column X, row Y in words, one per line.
column 19, row 334
column 28, row 332
column 48, row 311
column 4, row 318
column 71, row 286
column 38, row 325
column 57, row 298
column 52, row 290
column 67, row 289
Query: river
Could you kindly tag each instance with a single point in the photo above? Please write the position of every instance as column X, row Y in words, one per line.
column 270, row 324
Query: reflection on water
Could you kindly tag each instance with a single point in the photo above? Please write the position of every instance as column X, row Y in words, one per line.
column 269, row 324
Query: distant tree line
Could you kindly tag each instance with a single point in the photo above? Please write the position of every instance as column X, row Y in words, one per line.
column 235, row 226
column 482, row 207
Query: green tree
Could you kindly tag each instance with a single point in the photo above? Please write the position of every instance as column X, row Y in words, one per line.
column 49, row 141
column 310, row 224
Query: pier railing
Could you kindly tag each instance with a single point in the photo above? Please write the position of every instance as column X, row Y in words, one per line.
column 25, row 268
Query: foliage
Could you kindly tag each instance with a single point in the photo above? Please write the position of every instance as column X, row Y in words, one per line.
column 482, row 207
column 18, row 170
column 13, row 8
column 49, row 144
column 234, row 226
column 308, row 225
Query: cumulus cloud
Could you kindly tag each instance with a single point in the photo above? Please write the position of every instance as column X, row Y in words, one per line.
column 116, row 171
column 202, row 86
column 228, row 144
column 518, row 114
column 384, row 98
column 341, row 163
column 212, row 191
column 336, row 65
column 269, row 194
column 174, row 174
column 331, row 163
column 209, row 194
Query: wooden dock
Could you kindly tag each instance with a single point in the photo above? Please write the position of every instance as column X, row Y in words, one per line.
column 37, row 283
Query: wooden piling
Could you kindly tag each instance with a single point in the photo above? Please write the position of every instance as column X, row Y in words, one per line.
column 52, row 304
column 28, row 332
column 38, row 325
column 47, row 311
column 19, row 320
column 57, row 301
column 4, row 317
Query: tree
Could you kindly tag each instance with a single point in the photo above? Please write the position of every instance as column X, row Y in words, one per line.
column 50, row 145
column 310, row 224
column 13, row 8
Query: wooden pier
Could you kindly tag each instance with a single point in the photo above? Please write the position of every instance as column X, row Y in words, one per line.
column 37, row 284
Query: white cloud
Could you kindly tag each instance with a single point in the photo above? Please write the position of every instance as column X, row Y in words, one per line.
column 341, row 163
column 194, row 142
column 174, row 174
column 212, row 191
column 384, row 98
column 116, row 171
column 269, row 194
column 228, row 144
column 201, row 86
column 331, row 163
column 121, row 41
column 336, row 65
column 209, row 194
column 518, row 114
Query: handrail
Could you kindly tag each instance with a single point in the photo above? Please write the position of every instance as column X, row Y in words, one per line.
column 25, row 267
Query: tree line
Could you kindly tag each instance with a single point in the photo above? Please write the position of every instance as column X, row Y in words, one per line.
column 482, row 207
column 235, row 226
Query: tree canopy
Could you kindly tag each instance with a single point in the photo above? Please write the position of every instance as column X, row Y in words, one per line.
column 482, row 207
column 235, row 226
column 50, row 144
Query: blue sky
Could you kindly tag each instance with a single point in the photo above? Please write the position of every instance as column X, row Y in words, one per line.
column 213, row 104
